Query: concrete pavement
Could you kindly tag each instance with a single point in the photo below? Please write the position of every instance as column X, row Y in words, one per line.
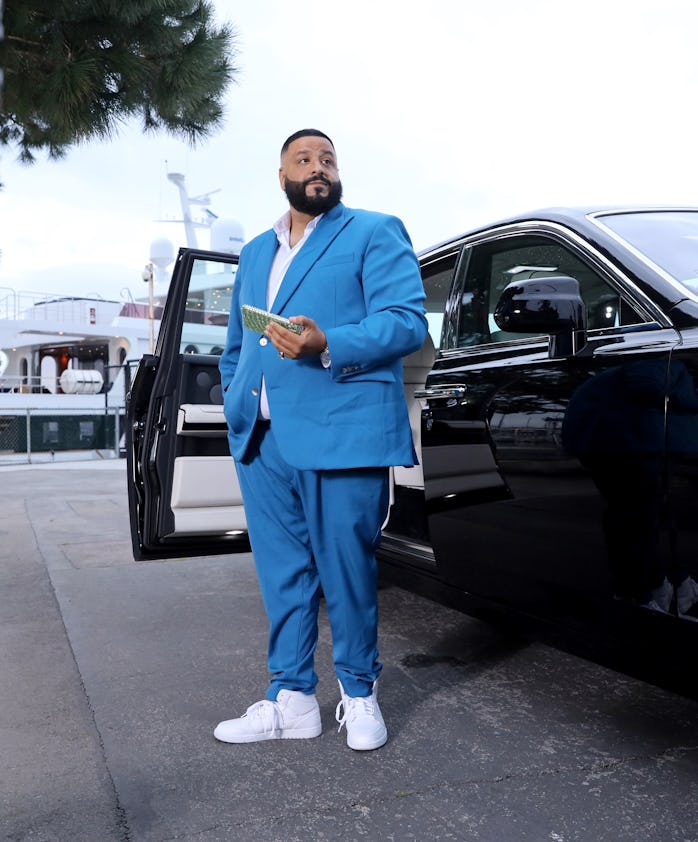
column 113, row 674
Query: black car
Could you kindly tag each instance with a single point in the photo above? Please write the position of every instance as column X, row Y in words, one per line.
column 555, row 411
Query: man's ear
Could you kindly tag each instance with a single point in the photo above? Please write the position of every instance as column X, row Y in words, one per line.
column 282, row 178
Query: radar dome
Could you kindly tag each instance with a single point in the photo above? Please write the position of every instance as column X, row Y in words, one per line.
column 162, row 252
column 227, row 235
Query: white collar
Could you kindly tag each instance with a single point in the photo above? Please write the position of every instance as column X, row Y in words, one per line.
column 282, row 227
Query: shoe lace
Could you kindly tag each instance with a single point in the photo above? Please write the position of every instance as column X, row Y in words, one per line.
column 269, row 714
column 351, row 707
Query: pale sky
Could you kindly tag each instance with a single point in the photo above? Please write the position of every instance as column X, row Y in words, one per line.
column 450, row 115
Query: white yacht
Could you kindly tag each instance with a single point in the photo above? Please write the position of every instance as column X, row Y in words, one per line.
column 65, row 360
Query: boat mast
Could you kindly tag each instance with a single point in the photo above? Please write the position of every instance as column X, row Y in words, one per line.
column 186, row 201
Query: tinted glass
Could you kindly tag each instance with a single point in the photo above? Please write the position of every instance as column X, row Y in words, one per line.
column 208, row 307
column 437, row 276
column 493, row 266
column 668, row 238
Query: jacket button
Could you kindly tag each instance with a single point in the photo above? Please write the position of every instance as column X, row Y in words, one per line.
column 263, row 340
column 255, row 392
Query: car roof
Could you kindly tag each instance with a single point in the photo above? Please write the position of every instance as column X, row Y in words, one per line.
column 575, row 217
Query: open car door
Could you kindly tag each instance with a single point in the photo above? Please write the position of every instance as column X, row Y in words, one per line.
column 184, row 498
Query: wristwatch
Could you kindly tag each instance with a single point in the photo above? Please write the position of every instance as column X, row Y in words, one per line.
column 325, row 358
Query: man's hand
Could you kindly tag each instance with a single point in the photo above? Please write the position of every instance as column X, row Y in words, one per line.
column 310, row 343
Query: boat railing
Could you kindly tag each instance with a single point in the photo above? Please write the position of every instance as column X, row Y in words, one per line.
column 8, row 303
column 66, row 309
column 17, row 384
column 42, row 384
column 27, row 385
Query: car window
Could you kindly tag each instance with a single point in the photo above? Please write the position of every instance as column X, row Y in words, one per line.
column 437, row 276
column 668, row 238
column 493, row 266
column 208, row 307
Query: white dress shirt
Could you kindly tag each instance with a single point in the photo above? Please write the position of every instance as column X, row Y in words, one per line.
column 282, row 260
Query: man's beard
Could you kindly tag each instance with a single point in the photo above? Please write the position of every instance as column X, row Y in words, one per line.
column 314, row 204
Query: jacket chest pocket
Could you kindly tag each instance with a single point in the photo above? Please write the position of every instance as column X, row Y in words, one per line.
column 335, row 260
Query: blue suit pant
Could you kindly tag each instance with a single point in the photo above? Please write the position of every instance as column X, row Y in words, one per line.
column 313, row 531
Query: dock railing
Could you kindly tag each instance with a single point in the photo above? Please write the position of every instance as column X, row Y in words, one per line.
column 39, row 435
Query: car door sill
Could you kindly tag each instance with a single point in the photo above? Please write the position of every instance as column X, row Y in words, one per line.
column 413, row 552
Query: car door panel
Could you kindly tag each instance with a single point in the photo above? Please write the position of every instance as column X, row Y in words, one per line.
column 454, row 469
column 205, row 496
column 183, row 488
column 541, row 546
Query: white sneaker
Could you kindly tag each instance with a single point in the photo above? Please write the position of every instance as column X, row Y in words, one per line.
column 686, row 595
column 365, row 726
column 293, row 716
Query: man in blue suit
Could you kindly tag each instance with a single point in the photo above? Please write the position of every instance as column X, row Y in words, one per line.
column 315, row 420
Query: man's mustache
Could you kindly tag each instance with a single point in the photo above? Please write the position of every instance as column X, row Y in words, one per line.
column 322, row 178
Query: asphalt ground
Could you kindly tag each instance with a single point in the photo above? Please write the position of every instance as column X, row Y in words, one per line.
column 113, row 674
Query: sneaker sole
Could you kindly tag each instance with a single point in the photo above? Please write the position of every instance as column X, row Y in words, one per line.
column 291, row 734
column 381, row 741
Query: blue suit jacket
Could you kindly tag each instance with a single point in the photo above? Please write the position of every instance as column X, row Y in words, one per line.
column 357, row 276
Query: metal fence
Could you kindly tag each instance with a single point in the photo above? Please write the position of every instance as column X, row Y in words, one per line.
column 40, row 435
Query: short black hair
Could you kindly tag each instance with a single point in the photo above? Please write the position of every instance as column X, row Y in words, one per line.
column 304, row 133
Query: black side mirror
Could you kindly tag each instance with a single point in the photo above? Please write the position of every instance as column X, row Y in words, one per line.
column 545, row 305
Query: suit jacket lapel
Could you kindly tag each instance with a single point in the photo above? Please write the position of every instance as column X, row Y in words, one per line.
column 263, row 260
column 319, row 241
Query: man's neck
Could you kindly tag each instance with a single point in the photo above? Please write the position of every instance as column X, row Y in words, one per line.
column 298, row 222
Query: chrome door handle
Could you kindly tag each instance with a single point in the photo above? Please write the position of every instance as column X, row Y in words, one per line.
column 455, row 390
